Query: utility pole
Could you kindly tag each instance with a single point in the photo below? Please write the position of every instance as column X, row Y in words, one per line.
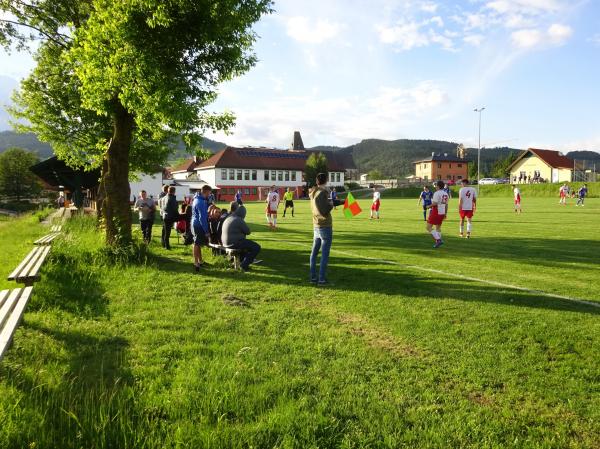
column 479, row 111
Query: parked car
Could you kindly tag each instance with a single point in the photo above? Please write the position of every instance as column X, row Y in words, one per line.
column 488, row 181
column 503, row 181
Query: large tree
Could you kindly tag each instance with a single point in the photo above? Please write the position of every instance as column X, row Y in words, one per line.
column 315, row 163
column 117, row 80
column 16, row 180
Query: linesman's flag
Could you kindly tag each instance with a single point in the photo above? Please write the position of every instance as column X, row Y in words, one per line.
column 351, row 207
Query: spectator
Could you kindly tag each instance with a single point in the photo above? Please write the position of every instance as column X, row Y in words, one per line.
column 145, row 207
column 170, row 215
column 211, row 198
column 200, row 229
column 234, row 235
column 321, row 207
column 60, row 201
column 216, row 223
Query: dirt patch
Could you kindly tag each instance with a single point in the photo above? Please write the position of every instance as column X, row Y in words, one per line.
column 232, row 300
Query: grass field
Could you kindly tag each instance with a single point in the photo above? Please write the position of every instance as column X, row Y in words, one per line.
column 411, row 347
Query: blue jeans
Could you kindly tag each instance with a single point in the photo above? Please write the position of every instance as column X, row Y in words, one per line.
column 251, row 251
column 321, row 241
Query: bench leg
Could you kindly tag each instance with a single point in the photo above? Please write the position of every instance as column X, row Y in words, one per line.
column 237, row 262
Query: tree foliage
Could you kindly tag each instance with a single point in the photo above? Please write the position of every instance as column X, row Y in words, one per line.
column 16, row 180
column 374, row 175
column 315, row 163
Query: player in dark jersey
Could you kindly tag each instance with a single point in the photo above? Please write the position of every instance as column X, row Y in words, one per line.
column 425, row 200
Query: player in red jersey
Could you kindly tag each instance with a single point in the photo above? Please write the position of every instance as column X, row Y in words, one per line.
column 517, row 194
column 272, row 205
column 439, row 202
column 467, row 199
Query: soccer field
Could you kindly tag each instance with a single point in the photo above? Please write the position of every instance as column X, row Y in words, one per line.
column 483, row 343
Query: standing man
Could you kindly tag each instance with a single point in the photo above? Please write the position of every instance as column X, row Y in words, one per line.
column 272, row 205
column 425, row 199
column 321, row 207
column 162, row 196
column 563, row 193
column 334, row 197
column 517, row 195
column 376, row 204
column 146, row 208
column 288, row 196
column 170, row 215
column 467, row 199
column 438, row 213
column 581, row 193
column 199, row 224
column 238, row 198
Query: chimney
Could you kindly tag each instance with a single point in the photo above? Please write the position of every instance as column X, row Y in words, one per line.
column 446, row 154
column 432, row 153
column 297, row 144
column 196, row 159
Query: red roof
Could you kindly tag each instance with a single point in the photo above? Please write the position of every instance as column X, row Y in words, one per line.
column 552, row 158
column 269, row 158
column 187, row 166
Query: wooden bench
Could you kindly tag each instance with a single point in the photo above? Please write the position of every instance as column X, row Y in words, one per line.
column 47, row 239
column 12, row 306
column 235, row 254
column 56, row 228
column 28, row 270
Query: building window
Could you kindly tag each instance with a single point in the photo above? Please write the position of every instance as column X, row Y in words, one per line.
column 439, row 177
column 459, row 165
column 331, row 177
column 287, row 175
column 246, row 191
column 338, row 177
column 254, row 191
column 254, row 175
column 231, row 174
column 293, row 176
column 439, row 165
column 239, row 175
column 273, row 175
column 449, row 165
column 266, row 175
column 459, row 177
column 246, row 175
column 224, row 174
column 424, row 165
column 280, row 175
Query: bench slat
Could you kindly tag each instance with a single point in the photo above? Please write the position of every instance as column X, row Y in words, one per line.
column 32, row 270
column 8, row 306
column 3, row 295
column 19, row 297
column 12, row 276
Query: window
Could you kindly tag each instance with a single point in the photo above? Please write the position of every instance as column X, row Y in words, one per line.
column 424, row 165
column 254, row 175
column 287, row 175
column 293, row 176
column 439, row 177
column 246, row 191
column 231, row 174
column 449, row 165
column 246, row 175
column 266, row 175
column 254, row 191
column 331, row 177
column 273, row 175
column 280, row 175
column 459, row 177
column 239, row 175
column 224, row 174
column 459, row 165
column 439, row 165
column 338, row 177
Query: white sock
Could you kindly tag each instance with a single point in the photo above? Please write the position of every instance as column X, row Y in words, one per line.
column 461, row 228
column 274, row 221
column 268, row 219
column 468, row 228
column 435, row 234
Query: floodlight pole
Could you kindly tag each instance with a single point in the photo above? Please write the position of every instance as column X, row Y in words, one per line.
column 479, row 111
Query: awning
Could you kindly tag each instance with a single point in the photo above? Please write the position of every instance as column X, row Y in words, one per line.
column 56, row 173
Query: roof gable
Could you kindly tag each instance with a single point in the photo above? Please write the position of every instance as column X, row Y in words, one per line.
column 550, row 157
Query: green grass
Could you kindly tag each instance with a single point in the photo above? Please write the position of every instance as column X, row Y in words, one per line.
column 150, row 355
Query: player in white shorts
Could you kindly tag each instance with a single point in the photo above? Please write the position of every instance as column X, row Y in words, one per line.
column 467, row 199
column 517, row 194
column 272, row 205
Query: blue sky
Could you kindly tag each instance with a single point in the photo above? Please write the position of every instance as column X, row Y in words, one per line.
column 344, row 70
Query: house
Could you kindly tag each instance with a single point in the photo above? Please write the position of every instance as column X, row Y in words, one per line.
column 254, row 170
column 541, row 166
column 443, row 167
column 186, row 168
column 150, row 182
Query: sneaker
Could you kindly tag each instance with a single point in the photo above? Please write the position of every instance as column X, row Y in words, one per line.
column 438, row 243
column 324, row 284
column 257, row 261
column 197, row 268
column 313, row 281
column 461, row 235
column 468, row 236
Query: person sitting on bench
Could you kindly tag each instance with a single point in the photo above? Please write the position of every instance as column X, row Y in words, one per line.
column 234, row 235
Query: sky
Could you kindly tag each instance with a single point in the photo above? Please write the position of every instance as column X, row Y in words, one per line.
column 340, row 71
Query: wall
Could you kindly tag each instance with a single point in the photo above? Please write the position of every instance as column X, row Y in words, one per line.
column 529, row 165
column 152, row 184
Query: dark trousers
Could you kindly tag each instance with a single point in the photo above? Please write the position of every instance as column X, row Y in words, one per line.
column 166, row 232
column 146, row 226
column 251, row 251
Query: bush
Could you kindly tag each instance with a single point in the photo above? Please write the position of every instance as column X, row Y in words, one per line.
column 352, row 186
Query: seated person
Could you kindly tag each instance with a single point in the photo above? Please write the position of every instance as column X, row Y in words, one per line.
column 234, row 235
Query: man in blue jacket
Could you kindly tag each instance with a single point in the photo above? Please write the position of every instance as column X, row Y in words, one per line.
column 200, row 229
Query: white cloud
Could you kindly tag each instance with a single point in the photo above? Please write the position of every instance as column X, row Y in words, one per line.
column 305, row 30
column 437, row 20
column 473, row 39
column 559, row 34
column 429, row 7
column 525, row 6
column 404, row 36
column 527, row 38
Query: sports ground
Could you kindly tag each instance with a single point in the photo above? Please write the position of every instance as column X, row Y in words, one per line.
column 490, row 342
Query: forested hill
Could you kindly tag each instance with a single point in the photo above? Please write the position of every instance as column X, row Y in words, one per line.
column 30, row 142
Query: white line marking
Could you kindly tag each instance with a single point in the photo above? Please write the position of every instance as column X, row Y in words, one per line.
column 446, row 273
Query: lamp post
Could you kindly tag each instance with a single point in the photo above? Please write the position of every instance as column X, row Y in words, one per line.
column 479, row 111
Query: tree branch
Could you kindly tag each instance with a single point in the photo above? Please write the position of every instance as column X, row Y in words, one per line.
column 39, row 30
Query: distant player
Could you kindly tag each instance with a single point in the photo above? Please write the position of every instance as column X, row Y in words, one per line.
column 238, row 198
column 272, row 205
column 517, row 195
column 563, row 192
column 467, row 200
column 425, row 199
column 438, row 213
column 334, row 197
column 288, row 197
column 449, row 193
column 376, row 204
column 581, row 194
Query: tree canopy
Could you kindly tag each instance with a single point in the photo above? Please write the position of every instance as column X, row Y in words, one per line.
column 315, row 163
column 16, row 180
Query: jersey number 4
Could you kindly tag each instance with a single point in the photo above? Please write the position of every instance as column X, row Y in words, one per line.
column 468, row 194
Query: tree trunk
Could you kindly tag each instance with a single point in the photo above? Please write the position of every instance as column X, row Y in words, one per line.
column 115, row 205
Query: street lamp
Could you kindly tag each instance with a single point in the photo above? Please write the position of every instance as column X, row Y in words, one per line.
column 479, row 111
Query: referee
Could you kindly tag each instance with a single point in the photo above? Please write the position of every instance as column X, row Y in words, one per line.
column 288, row 196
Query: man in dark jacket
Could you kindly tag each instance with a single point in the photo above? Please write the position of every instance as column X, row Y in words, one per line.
column 234, row 235
column 170, row 214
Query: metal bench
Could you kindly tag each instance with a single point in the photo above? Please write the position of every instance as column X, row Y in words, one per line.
column 235, row 254
column 12, row 306
column 28, row 270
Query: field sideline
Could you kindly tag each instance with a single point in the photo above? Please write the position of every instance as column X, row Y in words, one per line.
column 396, row 353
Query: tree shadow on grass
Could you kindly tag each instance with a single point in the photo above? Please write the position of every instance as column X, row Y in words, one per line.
column 290, row 268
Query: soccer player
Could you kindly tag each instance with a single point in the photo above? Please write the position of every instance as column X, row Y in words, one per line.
column 563, row 193
column 467, row 200
column 438, row 213
column 272, row 205
column 517, row 194
column 334, row 197
column 581, row 193
column 376, row 204
column 425, row 199
column 238, row 198
column 449, row 193
column 288, row 196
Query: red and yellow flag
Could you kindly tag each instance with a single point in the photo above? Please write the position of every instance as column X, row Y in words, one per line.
column 351, row 207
